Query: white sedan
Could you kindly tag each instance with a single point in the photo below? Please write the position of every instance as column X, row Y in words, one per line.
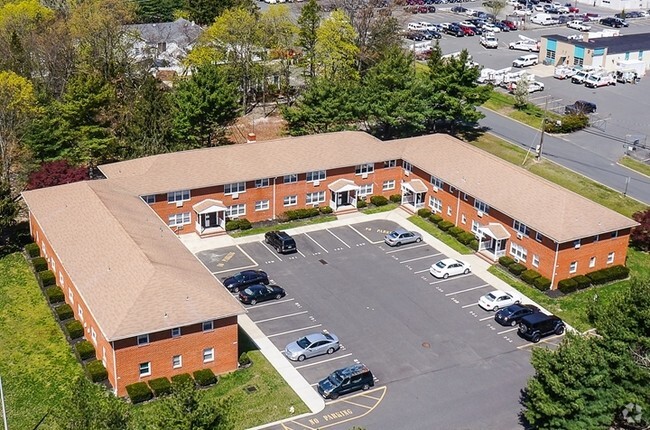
column 578, row 25
column 449, row 267
column 498, row 299
column 491, row 28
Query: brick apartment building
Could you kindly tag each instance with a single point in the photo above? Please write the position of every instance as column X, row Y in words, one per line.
column 153, row 310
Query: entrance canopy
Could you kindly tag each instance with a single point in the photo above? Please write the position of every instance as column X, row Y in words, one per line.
column 342, row 185
column 209, row 206
column 495, row 231
column 415, row 186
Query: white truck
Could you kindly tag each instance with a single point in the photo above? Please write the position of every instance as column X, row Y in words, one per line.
column 489, row 41
column 544, row 19
column 525, row 44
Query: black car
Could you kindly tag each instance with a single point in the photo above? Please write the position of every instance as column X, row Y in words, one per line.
column 342, row 381
column 455, row 30
column 459, row 9
column 514, row 313
column 503, row 27
column 259, row 293
column 245, row 278
column 281, row 241
column 613, row 22
column 580, row 107
column 535, row 326
column 415, row 35
column 432, row 34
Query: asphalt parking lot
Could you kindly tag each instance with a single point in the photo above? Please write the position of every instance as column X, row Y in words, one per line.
column 437, row 356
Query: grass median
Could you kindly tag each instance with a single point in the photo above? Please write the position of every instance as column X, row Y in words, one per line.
column 530, row 114
column 285, row 225
column 633, row 164
column 443, row 237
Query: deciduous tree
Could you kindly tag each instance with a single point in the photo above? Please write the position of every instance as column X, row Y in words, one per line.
column 8, row 209
column 640, row 236
column 336, row 49
column 309, row 21
column 54, row 173
column 279, row 37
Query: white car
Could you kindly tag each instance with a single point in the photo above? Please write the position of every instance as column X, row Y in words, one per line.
column 533, row 87
column 427, row 26
column 491, row 28
column 414, row 26
column 525, row 61
column 449, row 267
column 489, row 41
column 522, row 12
column 539, row 8
column 578, row 25
column 564, row 72
column 498, row 299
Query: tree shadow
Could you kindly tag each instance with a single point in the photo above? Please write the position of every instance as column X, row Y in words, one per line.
column 15, row 238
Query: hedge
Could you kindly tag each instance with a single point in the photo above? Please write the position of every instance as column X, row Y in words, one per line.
column 445, row 225
column 424, row 213
column 379, row 200
column 183, row 377
column 245, row 224
column 47, row 278
column 582, row 281
column 506, row 261
column 473, row 244
column 608, row 274
column 54, row 295
column 529, row 276
column 85, row 349
column 516, row 269
column 296, row 214
column 64, row 312
column 325, row 210
column 567, row 285
column 466, row 238
column 396, row 198
column 32, row 250
column 160, row 386
column 542, row 283
column 233, row 224
column 244, row 359
column 97, row 371
column 75, row 329
column 436, row 219
column 568, row 124
column 205, row 377
column 139, row 392
column 361, row 204
column 455, row 231
column 39, row 263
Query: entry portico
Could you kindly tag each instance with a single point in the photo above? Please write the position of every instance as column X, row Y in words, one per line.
column 492, row 240
column 413, row 193
column 343, row 194
column 210, row 217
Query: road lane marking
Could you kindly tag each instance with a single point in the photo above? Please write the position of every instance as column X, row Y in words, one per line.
column 294, row 331
column 449, row 279
column 468, row 289
column 419, row 258
column 407, row 248
column 507, row 331
column 469, row 306
column 321, row 246
column 330, row 232
column 276, row 302
column 280, row 317
column 323, row 361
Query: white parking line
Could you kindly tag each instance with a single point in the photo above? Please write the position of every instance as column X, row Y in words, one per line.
column 422, row 271
column 280, row 317
column 271, row 251
column 407, row 248
column 297, row 250
column 294, row 331
column 451, row 278
column 419, row 258
column 469, row 306
column 323, row 361
column 275, row 302
column 330, row 232
column 508, row 331
column 368, row 240
column 321, row 246
column 468, row 289
column 486, row 318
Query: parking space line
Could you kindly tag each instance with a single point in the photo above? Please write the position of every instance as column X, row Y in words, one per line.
column 451, row 278
column 361, row 234
column 330, row 232
column 469, row 306
column 486, row 318
column 271, row 251
column 357, row 404
column 323, row 361
column 508, row 331
column 293, row 331
column 422, row 271
column 419, row 258
column 235, row 269
column 298, row 251
column 321, row 246
column 275, row 302
column 466, row 290
column 407, row 248
column 280, row 317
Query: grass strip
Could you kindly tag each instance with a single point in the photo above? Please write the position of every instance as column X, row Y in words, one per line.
column 284, row 225
column 445, row 238
column 633, row 164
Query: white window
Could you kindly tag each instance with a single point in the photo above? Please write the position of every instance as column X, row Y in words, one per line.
column 597, row 238
column 208, row 355
column 436, row 182
column 481, row 206
column 291, row 200
column 435, row 204
column 261, row 183
column 262, row 205
column 143, row 339
column 178, row 196
column 365, row 190
column 53, row 263
column 290, row 179
column 518, row 251
column 452, row 189
column 520, row 227
column 364, row 168
column 573, row 267
column 71, row 296
column 93, row 335
column 407, row 166
column 317, row 175
column 177, row 361
column 237, row 187
column 535, row 260
column 592, row 262
column 538, row 236
column 390, row 163
column 176, row 332
column 614, row 234
column 463, row 219
column 465, row 196
column 610, row 257
column 449, row 211
column 208, row 325
column 475, row 227
column 178, row 219
column 145, row 369
column 151, row 198
column 576, row 243
column 235, row 211
column 104, row 356
column 61, row 281
column 80, row 312
column 317, row 197
column 388, row 185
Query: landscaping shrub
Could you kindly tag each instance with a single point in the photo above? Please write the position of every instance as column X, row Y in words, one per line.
column 424, row 213
column 325, row 210
column 516, row 269
column 396, row 198
column 436, row 219
column 245, row 224
column 47, row 278
column 567, row 285
column 474, row 244
column 139, row 392
column 39, row 263
column 177, row 379
column 54, row 295
column 466, row 238
column 64, row 312
column 617, row 272
column 542, row 283
column 445, row 225
column 160, row 386
column 361, row 204
column 582, row 281
column 205, row 377
column 96, row 371
column 85, row 349
column 455, row 231
column 304, row 213
column 32, row 250
column 244, row 359
column 379, row 200
column 528, row 276
column 75, row 329
column 568, row 124
column 506, row 261
column 598, row 277
column 233, row 224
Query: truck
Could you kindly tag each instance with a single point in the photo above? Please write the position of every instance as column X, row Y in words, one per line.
column 489, row 41
column 525, row 44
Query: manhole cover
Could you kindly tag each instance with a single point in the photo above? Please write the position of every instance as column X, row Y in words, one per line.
column 322, row 261
column 426, row 345
column 250, row 389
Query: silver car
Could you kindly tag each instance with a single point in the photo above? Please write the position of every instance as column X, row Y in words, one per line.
column 311, row 346
column 402, row 236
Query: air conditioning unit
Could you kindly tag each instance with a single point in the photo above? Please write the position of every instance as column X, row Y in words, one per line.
column 576, row 246
column 406, row 173
column 520, row 236
column 315, row 205
column 435, row 189
column 480, row 214
column 179, row 204
column 364, row 176
column 316, row 183
column 235, row 196
column 516, row 260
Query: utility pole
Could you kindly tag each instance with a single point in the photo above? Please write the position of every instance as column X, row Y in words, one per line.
column 538, row 157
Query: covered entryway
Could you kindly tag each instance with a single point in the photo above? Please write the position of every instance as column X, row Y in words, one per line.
column 343, row 195
column 210, row 217
column 492, row 240
column 413, row 194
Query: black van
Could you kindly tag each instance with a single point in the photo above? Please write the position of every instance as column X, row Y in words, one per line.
column 346, row 380
column 535, row 326
column 281, row 241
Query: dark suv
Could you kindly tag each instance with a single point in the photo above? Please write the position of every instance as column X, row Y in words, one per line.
column 613, row 22
column 281, row 241
column 346, row 380
column 580, row 107
column 535, row 326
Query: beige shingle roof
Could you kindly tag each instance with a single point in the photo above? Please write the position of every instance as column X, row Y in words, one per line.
column 132, row 271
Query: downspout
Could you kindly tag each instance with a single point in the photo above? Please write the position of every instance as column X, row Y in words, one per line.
column 557, row 248
column 114, row 367
column 457, row 207
column 274, row 180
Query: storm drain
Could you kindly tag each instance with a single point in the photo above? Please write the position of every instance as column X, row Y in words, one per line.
column 322, row 261
column 426, row 345
column 250, row 389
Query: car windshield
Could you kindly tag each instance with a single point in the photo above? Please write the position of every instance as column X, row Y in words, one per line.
column 303, row 342
column 393, row 234
column 238, row 277
column 491, row 297
column 441, row 265
column 249, row 291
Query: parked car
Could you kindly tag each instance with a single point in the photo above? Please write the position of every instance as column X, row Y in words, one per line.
column 454, row 30
column 522, row 45
column 281, row 241
column 414, row 26
column 580, row 107
column 245, row 278
column 613, row 22
column 260, row 293
column 533, row 86
column 511, row 25
column 514, row 313
column 346, row 380
column 522, row 12
column 489, row 41
column 432, row 34
column 573, row 9
column 467, row 30
column 402, row 236
column 427, row 26
column 581, row 76
column 459, row 9
column 578, row 25
column 537, row 325
column 498, row 299
column 597, row 81
column 501, row 26
column 312, row 345
column 449, row 267
column 491, row 28
column 415, row 36
column 525, row 61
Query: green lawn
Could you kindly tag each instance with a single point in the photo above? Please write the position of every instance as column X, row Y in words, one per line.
column 377, row 209
column 635, row 165
column 445, row 238
column 505, row 105
column 284, row 225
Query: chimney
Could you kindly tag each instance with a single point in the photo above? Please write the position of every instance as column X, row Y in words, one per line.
column 251, row 138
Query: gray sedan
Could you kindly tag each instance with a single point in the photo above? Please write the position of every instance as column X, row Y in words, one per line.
column 402, row 236
column 311, row 346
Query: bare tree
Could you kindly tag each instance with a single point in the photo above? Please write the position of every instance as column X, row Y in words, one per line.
column 495, row 7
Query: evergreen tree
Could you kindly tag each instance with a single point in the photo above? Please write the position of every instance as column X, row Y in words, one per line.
column 157, row 10
column 8, row 209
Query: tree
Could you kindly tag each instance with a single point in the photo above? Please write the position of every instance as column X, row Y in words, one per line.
column 54, row 173
column 640, row 236
column 157, row 10
column 336, row 50
column 521, row 92
column 279, row 34
column 8, row 209
column 495, row 7
column 309, row 21
column 204, row 12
